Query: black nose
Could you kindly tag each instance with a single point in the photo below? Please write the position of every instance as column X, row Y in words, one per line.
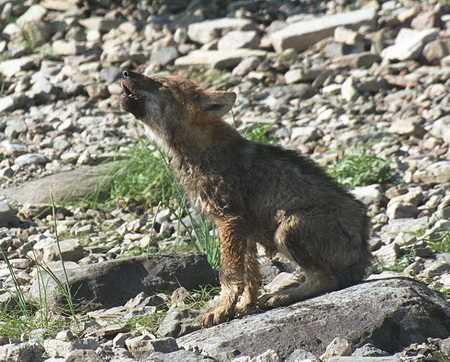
column 125, row 74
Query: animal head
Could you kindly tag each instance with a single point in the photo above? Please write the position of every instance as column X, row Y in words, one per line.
column 172, row 107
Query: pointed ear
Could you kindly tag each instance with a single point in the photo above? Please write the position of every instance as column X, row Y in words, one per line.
column 217, row 103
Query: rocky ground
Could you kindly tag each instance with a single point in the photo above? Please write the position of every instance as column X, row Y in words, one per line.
column 361, row 87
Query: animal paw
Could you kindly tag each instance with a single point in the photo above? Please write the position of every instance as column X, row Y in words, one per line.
column 220, row 314
column 244, row 307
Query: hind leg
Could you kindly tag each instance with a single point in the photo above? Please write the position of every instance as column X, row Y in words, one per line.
column 295, row 238
column 316, row 283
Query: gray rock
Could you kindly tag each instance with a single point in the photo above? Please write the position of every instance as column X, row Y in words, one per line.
column 164, row 56
column 57, row 348
column 113, row 283
column 12, row 149
column 49, row 250
column 357, row 60
column 8, row 103
column 347, row 36
column 65, row 186
column 404, row 225
column 436, row 173
column 338, row 347
column 367, row 194
column 409, row 44
column 22, row 352
column 142, row 346
column 206, row 31
column 408, row 126
column 268, row 356
column 246, row 66
column 71, row 47
column 15, row 127
column 30, row 159
column 400, row 210
column 100, row 23
column 178, row 356
column 294, row 76
column 444, row 346
column 11, row 67
column 365, row 359
column 220, row 59
column 441, row 129
column 34, row 13
column 12, row 102
column 369, row 350
column 301, row 355
column 302, row 34
column 359, row 313
column 82, row 355
column 37, row 32
column 8, row 216
column 179, row 321
column 306, row 134
column 239, row 39
column 348, row 90
column 435, row 51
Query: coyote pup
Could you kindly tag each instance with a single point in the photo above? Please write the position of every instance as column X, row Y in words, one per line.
column 254, row 193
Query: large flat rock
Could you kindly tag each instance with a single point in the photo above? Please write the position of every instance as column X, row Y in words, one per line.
column 113, row 283
column 389, row 313
column 64, row 186
column 303, row 34
column 219, row 59
column 205, row 31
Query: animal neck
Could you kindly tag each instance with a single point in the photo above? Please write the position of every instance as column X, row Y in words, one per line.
column 205, row 150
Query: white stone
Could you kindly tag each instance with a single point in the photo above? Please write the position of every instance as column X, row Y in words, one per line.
column 441, row 129
column 220, row 59
column 206, row 31
column 305, row 33
column 34, row 13
column 237, row 39
column 367, row 194
column 12, row 66
column 436, row 173
column 409, row 44
column 30, row 159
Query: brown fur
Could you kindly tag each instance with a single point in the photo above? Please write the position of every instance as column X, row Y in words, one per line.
column 254, row 193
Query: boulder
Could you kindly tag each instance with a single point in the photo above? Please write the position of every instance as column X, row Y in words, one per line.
column 389, row 313
column 303, row 34
column 113, row 283
column 65, row 186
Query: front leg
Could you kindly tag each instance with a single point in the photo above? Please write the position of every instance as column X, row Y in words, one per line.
column 247, row 303
column 232, row 274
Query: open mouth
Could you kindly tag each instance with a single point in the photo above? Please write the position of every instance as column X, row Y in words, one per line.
column 127, row 92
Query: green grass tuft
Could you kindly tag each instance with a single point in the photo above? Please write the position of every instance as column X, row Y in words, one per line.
column 149, row 322
column 142, row 176
column 440, row 242
column 201, row 297
column 360, row 169
column 260, row 134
